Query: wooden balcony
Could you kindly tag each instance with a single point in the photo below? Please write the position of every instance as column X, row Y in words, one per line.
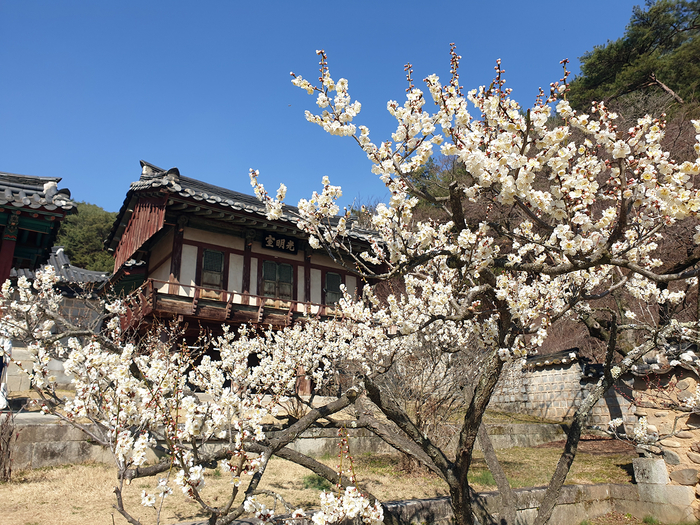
column 168, row 300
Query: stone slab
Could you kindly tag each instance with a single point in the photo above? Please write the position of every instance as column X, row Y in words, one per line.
column 650, row 471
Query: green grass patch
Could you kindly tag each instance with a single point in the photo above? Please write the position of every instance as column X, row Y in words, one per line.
column 483, row 478
column 316, row 482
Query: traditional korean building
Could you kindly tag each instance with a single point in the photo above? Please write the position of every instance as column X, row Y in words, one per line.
column 31, row 211
column 207, row 255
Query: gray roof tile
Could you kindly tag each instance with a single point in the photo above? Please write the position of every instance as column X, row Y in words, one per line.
column 154, row 177
column 66, row 272
column 35, row 192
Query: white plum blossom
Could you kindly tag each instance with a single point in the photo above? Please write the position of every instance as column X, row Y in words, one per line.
column 352, row 504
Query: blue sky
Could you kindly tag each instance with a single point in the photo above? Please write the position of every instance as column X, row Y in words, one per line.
column 89, row 88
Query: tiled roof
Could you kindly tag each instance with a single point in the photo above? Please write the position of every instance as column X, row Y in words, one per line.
column 153, row 177
column 661, row 361
column 673, row 355
column 563, row 357
column 35, row 192
column 66, row 272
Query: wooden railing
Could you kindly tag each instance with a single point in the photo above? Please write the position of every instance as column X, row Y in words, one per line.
column 144, row 300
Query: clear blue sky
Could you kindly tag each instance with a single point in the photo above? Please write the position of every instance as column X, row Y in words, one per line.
column 88, row 88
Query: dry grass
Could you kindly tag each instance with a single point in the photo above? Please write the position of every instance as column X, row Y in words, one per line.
column 526, row 467
column 83, row 493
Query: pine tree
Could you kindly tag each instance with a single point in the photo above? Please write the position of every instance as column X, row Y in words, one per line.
column 82, row 235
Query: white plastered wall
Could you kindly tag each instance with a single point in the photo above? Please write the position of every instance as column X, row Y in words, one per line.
column 316, row 286
column 235, row 273
column 217, row 239
column 188, row 269
column 351, row 284
column 254, row 276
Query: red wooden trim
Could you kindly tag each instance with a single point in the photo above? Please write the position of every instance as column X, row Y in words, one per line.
column 146, row 220
column 7, row 253
column 323, row 286
column 307, row 279
column 295, row 284
column 261, row 311
column 264, row 256
column 198, row 268
column 195, row 300
column 229, row 305
column 224, row 280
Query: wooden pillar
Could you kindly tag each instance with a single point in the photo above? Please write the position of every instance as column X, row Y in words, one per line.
column 307, row 273
column 176, row 256
column 249, row 238
column 7, row 249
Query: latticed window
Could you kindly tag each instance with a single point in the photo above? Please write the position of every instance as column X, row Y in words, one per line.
column 277, row 280
column 213, row 269
column 333, row 282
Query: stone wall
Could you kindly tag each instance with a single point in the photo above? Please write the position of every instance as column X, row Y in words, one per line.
column 576, row 503
column 44, row 441
column 554, row 391
column 79, row 311
column 672, row 429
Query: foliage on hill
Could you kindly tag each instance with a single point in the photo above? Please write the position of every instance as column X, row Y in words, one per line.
column 660, row 51
column 82, row 234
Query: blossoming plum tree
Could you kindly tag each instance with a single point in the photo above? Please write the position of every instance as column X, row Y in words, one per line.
column 134, row 392
column 571, row 213
column 575, row 209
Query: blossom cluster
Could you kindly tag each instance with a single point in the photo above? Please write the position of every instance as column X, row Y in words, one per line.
column 140, row 392
column 348, row 506
column 591, row 198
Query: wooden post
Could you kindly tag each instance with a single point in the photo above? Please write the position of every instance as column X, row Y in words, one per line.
column 176, row 256
column 249, row 238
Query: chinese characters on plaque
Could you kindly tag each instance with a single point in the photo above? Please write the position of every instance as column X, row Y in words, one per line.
column 280, row 243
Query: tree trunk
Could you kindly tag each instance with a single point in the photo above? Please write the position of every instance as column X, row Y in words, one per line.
column 462, row 505
column 508, row 510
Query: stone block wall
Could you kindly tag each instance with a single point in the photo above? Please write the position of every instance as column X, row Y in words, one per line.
column 554, row 391
column 80, row 311
column 41, row 444
column 576, row 503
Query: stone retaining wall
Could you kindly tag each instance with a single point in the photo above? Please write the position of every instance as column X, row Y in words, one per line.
column 576, row 503
column 41, row 444
column 554, row 391
column 44, row 441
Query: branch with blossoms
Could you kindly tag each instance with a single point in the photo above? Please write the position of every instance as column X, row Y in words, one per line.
column 135, row 392
column 570, row 216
